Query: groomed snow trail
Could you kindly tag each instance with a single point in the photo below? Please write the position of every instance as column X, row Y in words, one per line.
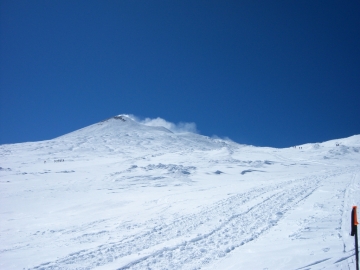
column 194, row 241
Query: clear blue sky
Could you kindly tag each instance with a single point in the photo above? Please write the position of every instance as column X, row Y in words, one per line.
column 267, row 73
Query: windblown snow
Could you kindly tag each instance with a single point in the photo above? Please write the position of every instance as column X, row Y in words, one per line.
column 123, row 195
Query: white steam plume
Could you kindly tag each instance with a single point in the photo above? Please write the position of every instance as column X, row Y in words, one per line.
column 159, row 122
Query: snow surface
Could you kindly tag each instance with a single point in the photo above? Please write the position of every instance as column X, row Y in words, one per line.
column 122, row 195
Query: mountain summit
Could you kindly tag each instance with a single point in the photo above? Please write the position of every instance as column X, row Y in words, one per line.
column 123, row 133
column 116, row 126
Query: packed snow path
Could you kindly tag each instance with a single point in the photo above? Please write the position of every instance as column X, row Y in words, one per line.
column 126, row 196
column 190, row 242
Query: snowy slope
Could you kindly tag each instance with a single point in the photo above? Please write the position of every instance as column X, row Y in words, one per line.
column 130, row 196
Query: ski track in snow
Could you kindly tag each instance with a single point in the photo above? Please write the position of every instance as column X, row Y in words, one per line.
column 224, row 226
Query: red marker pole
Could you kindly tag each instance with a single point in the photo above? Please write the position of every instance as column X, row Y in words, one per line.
column 354, row 232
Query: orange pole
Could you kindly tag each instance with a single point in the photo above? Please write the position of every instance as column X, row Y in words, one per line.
column 355, row 216
column 354, row 232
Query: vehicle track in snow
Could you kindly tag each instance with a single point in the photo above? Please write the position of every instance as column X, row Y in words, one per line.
column 193, row 241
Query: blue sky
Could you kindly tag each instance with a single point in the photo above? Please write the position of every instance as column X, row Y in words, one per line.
column 267, row 73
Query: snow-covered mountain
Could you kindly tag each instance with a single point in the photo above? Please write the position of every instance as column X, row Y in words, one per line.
column 120, row 194
column 122, row 132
